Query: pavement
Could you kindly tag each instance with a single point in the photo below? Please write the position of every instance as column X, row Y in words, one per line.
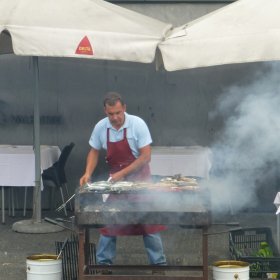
column 16, row 247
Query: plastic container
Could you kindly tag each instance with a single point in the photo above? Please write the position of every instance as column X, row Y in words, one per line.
column 234, row 270
column 43, row 267
column 244, row 245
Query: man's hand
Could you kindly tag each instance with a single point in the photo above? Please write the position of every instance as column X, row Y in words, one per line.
column 84, row 179
column 118, row 176
column 92, row 160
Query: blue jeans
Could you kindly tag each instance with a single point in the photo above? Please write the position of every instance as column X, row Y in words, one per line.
column 106, row 249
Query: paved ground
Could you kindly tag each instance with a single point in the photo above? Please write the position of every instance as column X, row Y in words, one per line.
column 16, row 247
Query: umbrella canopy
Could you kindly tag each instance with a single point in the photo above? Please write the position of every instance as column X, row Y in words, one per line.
column 86, row 28
column 92, row 29
column 245, row 31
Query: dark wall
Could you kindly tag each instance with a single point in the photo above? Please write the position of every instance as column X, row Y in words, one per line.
column 175, row 105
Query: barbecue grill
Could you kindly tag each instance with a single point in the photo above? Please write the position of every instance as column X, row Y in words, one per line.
column 188, row 208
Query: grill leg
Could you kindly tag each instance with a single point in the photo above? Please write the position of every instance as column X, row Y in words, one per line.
column 86, row 249
column 81, row 257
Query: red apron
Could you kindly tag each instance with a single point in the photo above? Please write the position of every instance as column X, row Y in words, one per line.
column 119, row 156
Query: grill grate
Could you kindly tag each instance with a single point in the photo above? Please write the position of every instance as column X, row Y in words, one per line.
column 70, row 256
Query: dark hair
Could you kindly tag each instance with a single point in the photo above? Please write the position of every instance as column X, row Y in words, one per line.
column 111, row 98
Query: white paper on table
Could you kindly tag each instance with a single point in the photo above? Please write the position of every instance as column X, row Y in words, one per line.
column 277, row 202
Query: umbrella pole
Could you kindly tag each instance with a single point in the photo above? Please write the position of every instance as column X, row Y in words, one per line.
column 36, row 143
column 36, row 225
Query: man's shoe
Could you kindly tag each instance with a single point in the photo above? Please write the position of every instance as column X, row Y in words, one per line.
column 158, row 272
column 104, row 272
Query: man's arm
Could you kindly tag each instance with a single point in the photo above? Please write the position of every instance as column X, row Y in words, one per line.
column 144, row 157
column 92, row 160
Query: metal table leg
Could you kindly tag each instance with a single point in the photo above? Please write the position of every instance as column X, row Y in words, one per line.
column 205, row 253
column 3, row 205
column 278, row 230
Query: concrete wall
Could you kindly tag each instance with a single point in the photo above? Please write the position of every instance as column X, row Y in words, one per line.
column 175, row 105
column 176, row 14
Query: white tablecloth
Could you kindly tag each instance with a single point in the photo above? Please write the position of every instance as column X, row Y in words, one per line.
column 17, row 164
column 187, row 161
column 277, row 205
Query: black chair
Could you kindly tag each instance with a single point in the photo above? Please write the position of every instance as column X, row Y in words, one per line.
column 55, row 175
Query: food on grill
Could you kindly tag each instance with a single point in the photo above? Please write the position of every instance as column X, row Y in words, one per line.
column 122, row 185
column 180, row 180
column 172, row 185
column 97, row 186
column 176, row 182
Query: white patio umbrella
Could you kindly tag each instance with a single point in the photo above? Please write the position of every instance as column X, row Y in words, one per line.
column 91, row 29
column 86, row 28
column 244, row 31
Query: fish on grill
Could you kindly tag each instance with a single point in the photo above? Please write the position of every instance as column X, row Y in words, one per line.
column 180, row 180
column 166, row 184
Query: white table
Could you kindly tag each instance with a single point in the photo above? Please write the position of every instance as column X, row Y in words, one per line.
column 187, row 161
column 17, row 166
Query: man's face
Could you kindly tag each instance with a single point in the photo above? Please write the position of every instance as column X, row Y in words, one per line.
column 115, row 114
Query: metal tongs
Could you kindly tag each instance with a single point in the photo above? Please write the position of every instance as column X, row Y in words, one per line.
column 65, row 203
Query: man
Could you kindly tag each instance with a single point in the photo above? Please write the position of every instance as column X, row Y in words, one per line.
column 127, row 140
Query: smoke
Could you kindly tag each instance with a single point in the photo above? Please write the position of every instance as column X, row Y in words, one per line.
column 247, row 153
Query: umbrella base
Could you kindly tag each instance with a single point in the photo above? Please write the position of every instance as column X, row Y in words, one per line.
column 30, row 226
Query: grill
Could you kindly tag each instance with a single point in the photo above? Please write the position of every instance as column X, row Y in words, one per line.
column 188, row 209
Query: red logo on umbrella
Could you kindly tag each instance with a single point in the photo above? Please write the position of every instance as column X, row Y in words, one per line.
column 84, row 47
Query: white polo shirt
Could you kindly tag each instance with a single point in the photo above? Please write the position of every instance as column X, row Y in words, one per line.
column 137, row 134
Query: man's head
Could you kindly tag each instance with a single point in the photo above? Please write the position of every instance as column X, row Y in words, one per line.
column 114, row 108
